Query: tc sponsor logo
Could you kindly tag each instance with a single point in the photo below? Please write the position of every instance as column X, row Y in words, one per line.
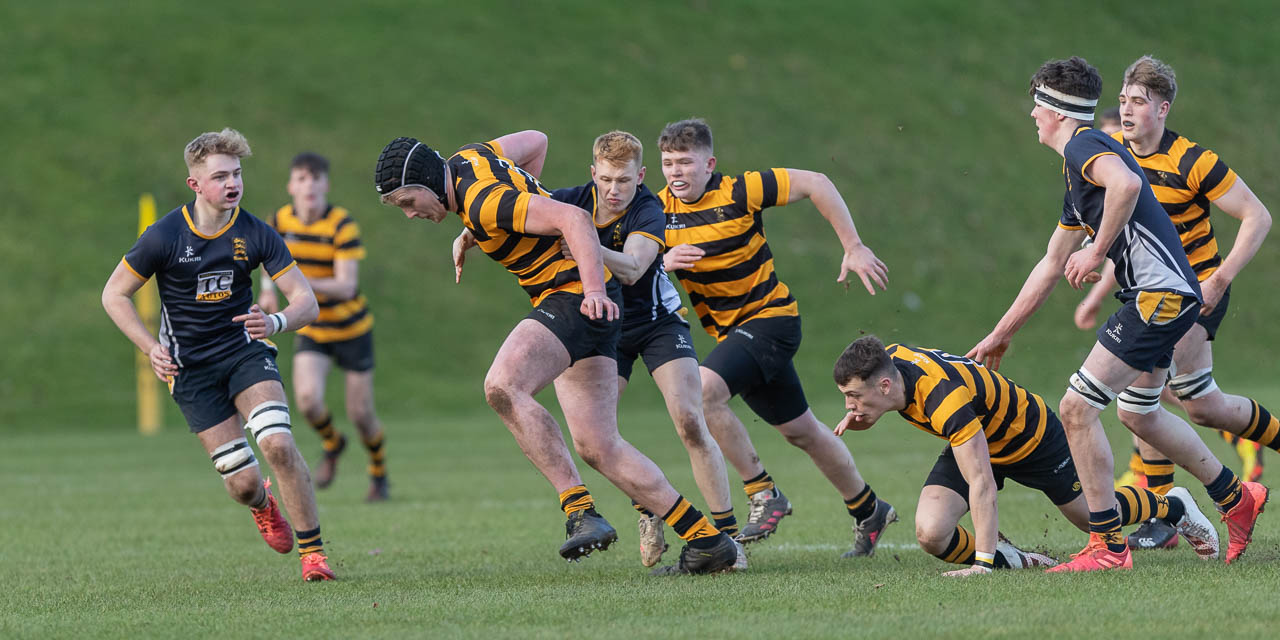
column 213, row 286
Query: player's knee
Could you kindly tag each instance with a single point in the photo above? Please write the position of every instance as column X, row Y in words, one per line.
column 244, row 488
column 1203, row 411
column 692, row 430
column 932, row 540
column 310, row 403
column 363, row 418
column 1086, row 397
column 499, row 396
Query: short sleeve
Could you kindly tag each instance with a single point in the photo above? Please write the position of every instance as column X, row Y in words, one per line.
column 647, row 217
column 148, row 255
column 273, row 254
column 1211, row 176
column 346, row 242
column 1084, row 149
column 758, row 190
column 1068, row 220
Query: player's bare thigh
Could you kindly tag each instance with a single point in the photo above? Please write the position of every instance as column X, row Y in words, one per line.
column 530, row 358
column 1193, row 351
column 587, row 392
column 681, row 388
column 714, row 389
column 310, row 369
column 251, row 398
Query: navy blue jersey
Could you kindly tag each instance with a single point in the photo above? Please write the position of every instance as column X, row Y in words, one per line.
column 1147, row 252
column 204, row 281
column 652, row 296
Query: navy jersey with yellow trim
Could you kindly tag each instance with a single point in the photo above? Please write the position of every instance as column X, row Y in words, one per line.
column 333, row 236
column 955, row 398
column 205, row 281
column 1147, row 253
column 652, row 296
column 1185, row 177
column 493, row 194
column 735, row 281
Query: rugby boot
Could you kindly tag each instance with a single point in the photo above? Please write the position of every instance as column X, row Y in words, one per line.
column 328, row 467
column 1016, row 558
column 652, row 544
column 768, row 508
column 867, row 532
column 1153, row 534
column 717, row 559
column 273, row 527
column 1241, row 518
column 740, row 563
column 586, row 531
column 1095, row 557
column 377, row 489
column 1194, row 526
column 315, row 567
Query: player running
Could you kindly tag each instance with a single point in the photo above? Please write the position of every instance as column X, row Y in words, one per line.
column 1186, row 178
column 957, row 399
column 569, row 339
column 1109, row 205
column 325, row 240
column 213, row 349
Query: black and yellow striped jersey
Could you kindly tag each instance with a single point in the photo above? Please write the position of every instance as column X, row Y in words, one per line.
column 1185, row 178
column 735, row 281
column 333, row 236
column 955, row 398
column 493, row 194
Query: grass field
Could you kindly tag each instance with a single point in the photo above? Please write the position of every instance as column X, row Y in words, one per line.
column 139, row 541
column 916, row 110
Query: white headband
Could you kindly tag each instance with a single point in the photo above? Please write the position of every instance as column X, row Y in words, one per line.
column 1065, row 103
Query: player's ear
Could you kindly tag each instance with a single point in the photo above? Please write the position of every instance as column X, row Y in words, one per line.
column 711, row 163
column 640, row 176
column 193, row 184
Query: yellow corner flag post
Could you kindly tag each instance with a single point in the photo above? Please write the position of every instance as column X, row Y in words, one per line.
column 145, row 300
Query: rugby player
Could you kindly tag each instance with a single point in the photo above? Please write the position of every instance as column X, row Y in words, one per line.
column 569, row 339
column 1186, row 178
column 213, row 349
column 957, row 399
column 325, row 240
column 1109, row 205
column 715, row 229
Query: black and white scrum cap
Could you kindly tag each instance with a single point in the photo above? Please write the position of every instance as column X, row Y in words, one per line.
column 406, row 162
column 1065, row 103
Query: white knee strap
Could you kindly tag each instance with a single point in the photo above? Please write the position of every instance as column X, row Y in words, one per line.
column 1096, row 394
column 1140, row 400
column 1196, row 384
column 233, row 457
column 268, row 418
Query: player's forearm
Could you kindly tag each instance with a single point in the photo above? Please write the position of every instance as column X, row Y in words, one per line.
column 1039, row 284
column 334, row 288
column 122, row 312
column 831, row 205
column 301, row 311
column 1253, row 230
column 626, row 268
column 1117, row 209
column 986, row 520
column 584, row 244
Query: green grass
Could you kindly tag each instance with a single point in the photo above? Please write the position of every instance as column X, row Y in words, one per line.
column 916, row 110
column 140, row 541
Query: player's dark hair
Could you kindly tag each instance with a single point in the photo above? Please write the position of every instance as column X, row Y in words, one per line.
column 1073, row 76
column 865, row 359
column 314, row 163
column 1111, row 115
column 686, row 135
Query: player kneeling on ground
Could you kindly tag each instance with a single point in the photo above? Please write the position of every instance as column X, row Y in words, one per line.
column 212, row 348
column 957, row 399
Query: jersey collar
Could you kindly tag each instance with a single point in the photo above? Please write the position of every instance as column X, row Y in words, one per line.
column 186, row 213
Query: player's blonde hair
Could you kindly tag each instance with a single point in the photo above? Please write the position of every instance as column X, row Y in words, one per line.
column 618, row 147
column 1153, row 74
column 226, row 142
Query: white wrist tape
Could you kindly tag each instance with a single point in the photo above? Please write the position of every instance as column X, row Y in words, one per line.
column 278, row 322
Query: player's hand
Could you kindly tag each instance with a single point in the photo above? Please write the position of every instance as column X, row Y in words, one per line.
column 162, row 363
column 863, row 262
column 1212, row 290
column 973, row 570
column 990, row 351
column 256, row 323
column 1082, row 268
column 848, row 423
column 269, row 302
column 681, row 256
column 564, row 250
column 461, row 243
column 598, row 306
column 1086, row 316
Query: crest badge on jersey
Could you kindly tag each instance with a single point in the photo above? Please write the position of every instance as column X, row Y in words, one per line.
column 239, row 249
column 213, row 286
